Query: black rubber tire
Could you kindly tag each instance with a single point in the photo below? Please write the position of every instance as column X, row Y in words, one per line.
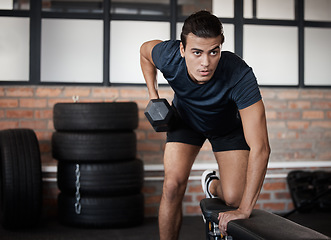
column 92, row 146
column 102, row 212
column 102, row 179
column 117, row 116
column 21, row 179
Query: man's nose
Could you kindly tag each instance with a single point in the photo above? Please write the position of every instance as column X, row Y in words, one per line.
column 205, row 61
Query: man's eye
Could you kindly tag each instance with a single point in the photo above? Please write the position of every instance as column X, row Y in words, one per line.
column 213, row 53
column 197, row 53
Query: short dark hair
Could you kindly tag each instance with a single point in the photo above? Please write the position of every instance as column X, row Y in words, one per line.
column 202, row 24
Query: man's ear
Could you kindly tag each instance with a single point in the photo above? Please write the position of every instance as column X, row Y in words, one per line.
column 182, row 50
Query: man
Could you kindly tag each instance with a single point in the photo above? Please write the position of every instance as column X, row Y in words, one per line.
column 217, row 98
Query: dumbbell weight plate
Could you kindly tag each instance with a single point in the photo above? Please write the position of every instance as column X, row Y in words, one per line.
column 160, row 114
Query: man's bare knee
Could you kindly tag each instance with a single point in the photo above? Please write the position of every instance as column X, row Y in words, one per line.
column 232, row 199
column 173, row 190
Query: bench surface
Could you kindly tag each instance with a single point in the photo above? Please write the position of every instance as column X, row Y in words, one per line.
column 260, row 225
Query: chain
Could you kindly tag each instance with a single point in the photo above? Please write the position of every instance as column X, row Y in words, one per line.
column 78, row 206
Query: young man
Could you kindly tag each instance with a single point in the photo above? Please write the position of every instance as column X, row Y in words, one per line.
column 217, row 98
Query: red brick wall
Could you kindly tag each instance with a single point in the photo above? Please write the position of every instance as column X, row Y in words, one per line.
column 299, row 125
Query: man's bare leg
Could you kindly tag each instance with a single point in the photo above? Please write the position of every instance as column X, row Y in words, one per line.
column 232, row 167
column 178, row 161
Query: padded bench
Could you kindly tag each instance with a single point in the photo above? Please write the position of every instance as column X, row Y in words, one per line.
column 260, row 225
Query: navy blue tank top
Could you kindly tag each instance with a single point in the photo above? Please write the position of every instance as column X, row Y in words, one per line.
column 210, row 108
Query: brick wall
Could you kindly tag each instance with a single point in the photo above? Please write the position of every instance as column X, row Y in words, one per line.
column 299, row 126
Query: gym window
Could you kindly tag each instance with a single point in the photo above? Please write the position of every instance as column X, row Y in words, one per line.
column 96, row 42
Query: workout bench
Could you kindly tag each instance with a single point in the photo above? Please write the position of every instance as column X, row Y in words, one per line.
column 260, row 225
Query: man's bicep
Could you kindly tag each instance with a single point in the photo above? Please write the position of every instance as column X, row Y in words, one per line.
column 147, row 48
column 254, row 124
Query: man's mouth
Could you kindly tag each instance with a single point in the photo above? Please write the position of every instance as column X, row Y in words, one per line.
column 204, row 72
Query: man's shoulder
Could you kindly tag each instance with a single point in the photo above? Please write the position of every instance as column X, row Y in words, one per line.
column 232, row 62
column 166, row 46
column 231, row 57
column 166, row 53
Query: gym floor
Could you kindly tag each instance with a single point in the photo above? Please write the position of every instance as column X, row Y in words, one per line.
column 192, row 229
column 50, row 229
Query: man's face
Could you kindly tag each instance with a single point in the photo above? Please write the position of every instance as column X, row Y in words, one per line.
column 202, row 56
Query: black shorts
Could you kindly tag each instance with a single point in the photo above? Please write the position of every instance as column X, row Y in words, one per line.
column 235, row 140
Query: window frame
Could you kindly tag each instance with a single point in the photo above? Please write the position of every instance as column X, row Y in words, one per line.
column 36, row 15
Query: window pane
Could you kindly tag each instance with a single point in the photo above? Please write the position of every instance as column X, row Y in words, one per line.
column 14, row 49
column 248, row 8
column 270, row 9
column 72, row 50
column 93, row 6
column 179, row 29
column 228, row 44
column 223, row 8
column 318, row 10
column 125, row 45
column 273, row 57
column 275, row 9
column 14, row 4
column 187, row 7
column 141, row 7
column 317, row 56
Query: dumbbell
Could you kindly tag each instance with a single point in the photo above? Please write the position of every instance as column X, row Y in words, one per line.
column 160, row 114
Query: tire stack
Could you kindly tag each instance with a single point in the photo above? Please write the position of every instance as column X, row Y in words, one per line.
column 99, row 177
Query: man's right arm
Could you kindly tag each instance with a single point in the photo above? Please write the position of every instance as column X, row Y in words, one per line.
column 148, row 67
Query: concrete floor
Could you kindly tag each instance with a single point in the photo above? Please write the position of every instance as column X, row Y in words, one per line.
column 50, row 229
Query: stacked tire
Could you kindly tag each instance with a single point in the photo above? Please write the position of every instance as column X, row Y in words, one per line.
column 99, row 177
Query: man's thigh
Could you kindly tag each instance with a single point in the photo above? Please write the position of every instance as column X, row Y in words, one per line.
column 178, row 160
column 233, row 170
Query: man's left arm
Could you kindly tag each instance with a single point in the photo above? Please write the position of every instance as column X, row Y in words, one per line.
column 255, row 130
column 256, row 135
